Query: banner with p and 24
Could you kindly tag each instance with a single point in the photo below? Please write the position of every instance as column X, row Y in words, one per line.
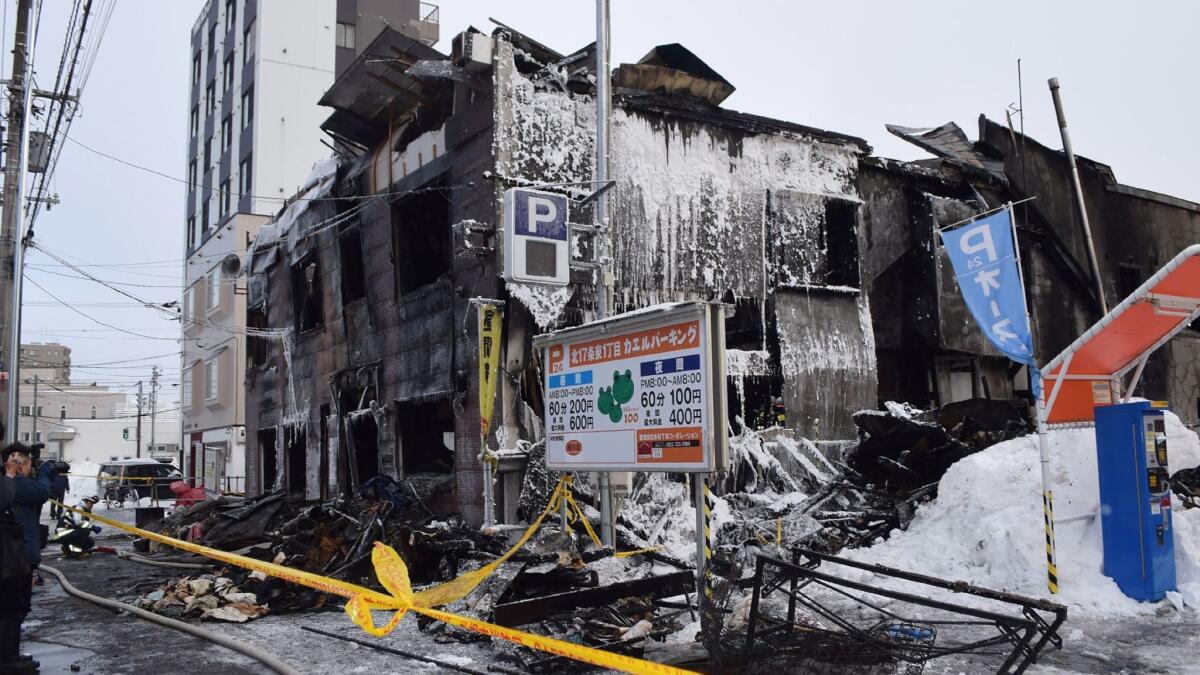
column 642, row 391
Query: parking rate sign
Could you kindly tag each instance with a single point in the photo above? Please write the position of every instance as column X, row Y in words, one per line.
column 635, row 400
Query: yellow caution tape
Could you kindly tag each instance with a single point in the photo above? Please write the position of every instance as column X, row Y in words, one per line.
column 116, row 479
column 574, row 509
column 393, row 574
column 461, row 587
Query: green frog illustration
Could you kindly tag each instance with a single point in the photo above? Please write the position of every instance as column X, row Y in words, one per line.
column 607, row 405
column 622, row 389
column 612, row 398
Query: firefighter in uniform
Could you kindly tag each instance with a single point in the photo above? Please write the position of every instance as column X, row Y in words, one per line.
column 74, row 533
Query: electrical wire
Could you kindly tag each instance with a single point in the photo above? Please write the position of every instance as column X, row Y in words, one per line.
column 150, row 305
column 95, row 320
column 104, row 281
column 65, row 107
column 282, row 200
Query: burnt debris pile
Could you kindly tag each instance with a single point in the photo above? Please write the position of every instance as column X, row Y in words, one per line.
column 333, row 538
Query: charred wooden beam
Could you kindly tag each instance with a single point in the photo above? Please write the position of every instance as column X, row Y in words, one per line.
column 400, row 88
column 535, row 609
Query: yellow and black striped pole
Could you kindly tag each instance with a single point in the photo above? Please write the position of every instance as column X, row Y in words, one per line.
column 708, row 511
column 1051, row 562
column 704, row 507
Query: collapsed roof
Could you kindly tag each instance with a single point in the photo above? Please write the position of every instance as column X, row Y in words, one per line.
column 673, row 69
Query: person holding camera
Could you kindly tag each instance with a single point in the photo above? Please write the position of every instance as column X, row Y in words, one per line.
column 32, row 490
column 16, row 573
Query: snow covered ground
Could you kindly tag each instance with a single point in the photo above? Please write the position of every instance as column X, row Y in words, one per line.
column 985, row 527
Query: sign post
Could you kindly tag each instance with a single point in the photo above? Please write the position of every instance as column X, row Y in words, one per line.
column 987, row 264
column 643, row 391
column 489, row 319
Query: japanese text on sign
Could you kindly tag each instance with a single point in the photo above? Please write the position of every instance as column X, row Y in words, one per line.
column 635, row 399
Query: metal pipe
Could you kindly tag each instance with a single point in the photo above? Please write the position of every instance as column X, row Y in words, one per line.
column 1083, row 215
column 603, row 107
column 1137, row 375
column 1047, row 486
column 603, row 250
column 607, row 530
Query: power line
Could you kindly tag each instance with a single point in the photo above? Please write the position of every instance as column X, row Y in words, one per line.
column 95, row 320
column 284, row 200
column 147, row 303
column 66, row 108
column 84, row 303
column 107, row 282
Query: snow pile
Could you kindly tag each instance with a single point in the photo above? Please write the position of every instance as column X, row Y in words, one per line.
column 985, row 527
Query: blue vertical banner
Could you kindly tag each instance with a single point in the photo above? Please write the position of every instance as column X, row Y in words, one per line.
column 985, row 263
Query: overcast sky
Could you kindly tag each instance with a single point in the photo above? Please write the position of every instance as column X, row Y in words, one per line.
column 1127, row 73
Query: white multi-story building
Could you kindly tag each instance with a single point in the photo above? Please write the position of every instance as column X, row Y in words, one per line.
column 258, row 68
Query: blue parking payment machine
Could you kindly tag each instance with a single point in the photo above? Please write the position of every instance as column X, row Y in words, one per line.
column 1135, row 498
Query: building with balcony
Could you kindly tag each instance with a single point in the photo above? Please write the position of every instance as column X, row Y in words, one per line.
column 257, row 71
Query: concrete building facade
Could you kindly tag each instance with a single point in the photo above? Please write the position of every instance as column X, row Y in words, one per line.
column 258, row 68
column 49, row 361
column 43, row 414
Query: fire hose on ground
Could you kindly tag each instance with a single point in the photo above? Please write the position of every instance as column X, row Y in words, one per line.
column 125, row 555
column 269, row 660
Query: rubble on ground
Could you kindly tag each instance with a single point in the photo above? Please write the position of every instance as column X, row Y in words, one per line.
column 205, row 597
column 780, row 492
column 332, row 538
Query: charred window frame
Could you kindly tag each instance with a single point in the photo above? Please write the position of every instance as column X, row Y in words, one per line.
column 257, row 346
column 746, row 329
column 421, row 240
column 307, row 307
column 841, row 243
column 350, row 252
column 422, row 429
column 1129, row 277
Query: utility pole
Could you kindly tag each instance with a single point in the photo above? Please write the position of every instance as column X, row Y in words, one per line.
column 139, row 420
column 34, row 410
column 1075, row 184
column 603, row 250
column 12, row 230
column 153, row 402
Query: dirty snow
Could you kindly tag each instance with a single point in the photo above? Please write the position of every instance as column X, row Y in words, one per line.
column 985, row 527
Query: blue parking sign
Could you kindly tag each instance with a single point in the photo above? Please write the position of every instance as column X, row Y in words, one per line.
column 985, row 263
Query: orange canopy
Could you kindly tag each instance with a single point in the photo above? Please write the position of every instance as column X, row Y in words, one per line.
column 1090, row 371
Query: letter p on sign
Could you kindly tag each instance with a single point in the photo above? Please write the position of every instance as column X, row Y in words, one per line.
column 976, row 239
column 541, row 210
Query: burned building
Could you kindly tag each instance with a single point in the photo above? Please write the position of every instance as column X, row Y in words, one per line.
column 363, row 358
column 930, row 350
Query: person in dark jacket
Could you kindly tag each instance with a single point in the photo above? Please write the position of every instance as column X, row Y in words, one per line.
column 32, row 491
column 58, row 492
column 15, row 575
